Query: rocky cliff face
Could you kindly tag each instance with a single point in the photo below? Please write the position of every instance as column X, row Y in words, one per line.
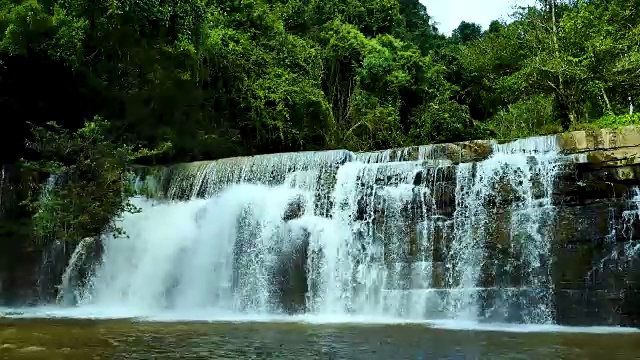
column 597, row 272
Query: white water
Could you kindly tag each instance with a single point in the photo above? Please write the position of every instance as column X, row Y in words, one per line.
column 383, row 244
column 101, row 313
column 188, row 255
column 68, row 288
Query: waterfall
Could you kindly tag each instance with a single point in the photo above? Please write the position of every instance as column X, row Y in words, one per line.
column 69, row 283
column 420, row 233
column 514, row 188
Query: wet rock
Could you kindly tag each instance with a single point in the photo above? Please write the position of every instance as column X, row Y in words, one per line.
column 613, row 175
column 417, row 179
column 588, row 307
column 598, row 159
column 575, row 142
column 295, row 209
column 456, row 153
column 477, row 150
column 290, row 275
column 583, row 224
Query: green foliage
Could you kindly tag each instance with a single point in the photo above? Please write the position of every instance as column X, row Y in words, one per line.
column 466, row 32
column 94, row 185
column 527, row 117
column 220, row 78
column 611, row 121
column 578, row 55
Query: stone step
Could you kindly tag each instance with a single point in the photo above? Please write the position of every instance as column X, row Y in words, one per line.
column 605, row 307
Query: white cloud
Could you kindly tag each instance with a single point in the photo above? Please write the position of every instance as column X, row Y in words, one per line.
column 449, row 13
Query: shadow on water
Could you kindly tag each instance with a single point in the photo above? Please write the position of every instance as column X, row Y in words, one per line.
column 54, row 339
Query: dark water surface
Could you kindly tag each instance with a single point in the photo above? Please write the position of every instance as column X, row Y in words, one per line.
column 53, row 339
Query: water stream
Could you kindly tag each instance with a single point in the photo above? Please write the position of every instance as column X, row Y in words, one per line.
column 337, row 235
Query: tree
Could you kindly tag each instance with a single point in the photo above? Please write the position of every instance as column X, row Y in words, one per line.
column 94, row 186
column 226, row 78
column 603, row 36
column 466, row 32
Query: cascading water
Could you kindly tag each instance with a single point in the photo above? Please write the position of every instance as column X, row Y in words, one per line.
column 222, row 252
column 69, row 283
column 365, row 256
column 387, row 234
column 514, row 187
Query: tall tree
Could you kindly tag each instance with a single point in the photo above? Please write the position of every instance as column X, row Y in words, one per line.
column 466, row 32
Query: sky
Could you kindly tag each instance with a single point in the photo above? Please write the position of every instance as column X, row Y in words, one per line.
column 449, row 13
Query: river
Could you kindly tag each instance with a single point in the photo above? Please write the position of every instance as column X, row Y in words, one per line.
column 60, row 338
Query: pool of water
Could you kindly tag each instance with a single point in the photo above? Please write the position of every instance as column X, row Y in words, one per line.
column 23, row 336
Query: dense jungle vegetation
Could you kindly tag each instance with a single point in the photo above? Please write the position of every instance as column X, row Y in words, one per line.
column 181, row 80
